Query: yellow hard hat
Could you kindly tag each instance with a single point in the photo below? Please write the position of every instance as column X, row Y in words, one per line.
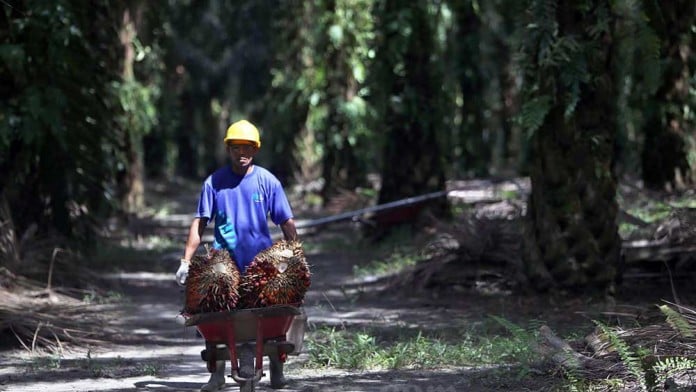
column 243, row 130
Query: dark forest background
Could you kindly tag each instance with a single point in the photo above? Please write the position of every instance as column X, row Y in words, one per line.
column 98, row 98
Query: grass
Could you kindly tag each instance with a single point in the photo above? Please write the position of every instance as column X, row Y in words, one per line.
column 96, row 367
column 94, row 297
column 53, row 361
column 650, row 211
column 364, row 350
column 398, row 260
column 685, row 202
column 575, row 384
column 331, row 243
column 395, row 255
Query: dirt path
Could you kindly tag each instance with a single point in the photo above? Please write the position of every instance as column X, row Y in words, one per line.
column 150, row 349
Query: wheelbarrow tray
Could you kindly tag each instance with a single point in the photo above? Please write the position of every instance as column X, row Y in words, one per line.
column 273, row 321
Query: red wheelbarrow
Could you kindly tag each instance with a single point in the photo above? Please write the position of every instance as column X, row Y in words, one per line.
column 249, row 334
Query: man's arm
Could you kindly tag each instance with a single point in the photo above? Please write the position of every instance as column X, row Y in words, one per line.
column 289, row 230
column 194, row 237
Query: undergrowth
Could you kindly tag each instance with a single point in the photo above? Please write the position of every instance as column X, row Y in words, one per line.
column 646, row 371
column 630, row 358
column 96, row 367
column 329, row 347
column 398, row 260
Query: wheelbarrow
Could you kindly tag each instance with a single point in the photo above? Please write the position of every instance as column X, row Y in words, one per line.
column 244, row 336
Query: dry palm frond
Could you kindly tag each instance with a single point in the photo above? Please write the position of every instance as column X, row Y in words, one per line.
column 212, row 284
column 39, row 322
column 663, row 339
column 277, row 275
column 9, row 243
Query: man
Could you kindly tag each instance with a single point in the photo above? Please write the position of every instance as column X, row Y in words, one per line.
column 240, row 197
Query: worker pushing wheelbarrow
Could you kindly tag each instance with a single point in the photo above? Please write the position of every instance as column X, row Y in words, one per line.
column 240, row 198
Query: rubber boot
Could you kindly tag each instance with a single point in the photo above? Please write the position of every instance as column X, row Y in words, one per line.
column 277, row 377
column 217, row 378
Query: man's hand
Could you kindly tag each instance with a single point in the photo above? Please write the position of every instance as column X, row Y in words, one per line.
column 182, row 272
column 289, row 230
column 192, row 242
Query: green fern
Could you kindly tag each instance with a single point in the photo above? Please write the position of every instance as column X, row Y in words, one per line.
column 533, row 113
column 602, row 23
column 516, row 331
column 524, row 339
column 575, row 382
column 639, row 45
column 668, row 367
column 629, row 358
column 555, row 62
column 678, row 322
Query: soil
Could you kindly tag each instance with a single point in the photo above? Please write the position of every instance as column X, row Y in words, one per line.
column 148, row 348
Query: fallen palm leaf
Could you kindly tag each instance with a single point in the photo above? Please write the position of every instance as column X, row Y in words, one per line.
column 39, row 324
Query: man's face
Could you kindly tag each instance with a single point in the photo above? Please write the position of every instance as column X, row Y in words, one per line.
column 241, row 153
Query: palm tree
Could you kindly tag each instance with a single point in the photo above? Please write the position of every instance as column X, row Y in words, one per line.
column 409, row 108
column 570, row 105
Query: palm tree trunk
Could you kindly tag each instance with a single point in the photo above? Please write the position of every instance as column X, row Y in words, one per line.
column 573, row 234
column 132, row 182
column 412, row 161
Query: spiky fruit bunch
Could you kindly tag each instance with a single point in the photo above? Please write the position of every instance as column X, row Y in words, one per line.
column 277, row 275
column 212, row 284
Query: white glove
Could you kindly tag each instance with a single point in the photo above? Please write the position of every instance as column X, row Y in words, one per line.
column 182, row 272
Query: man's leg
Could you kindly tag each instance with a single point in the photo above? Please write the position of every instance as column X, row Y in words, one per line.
column 217, row 378
column 277, row 377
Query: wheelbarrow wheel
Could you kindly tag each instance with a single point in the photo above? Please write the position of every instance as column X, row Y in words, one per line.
column 247, row 386
column 246, row 367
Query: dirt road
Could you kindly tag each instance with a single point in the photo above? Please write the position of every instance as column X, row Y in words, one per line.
column 150, row 349
column 147, row 347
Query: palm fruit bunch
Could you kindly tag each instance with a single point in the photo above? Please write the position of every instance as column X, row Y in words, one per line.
column 212, row 284
column 277, row 275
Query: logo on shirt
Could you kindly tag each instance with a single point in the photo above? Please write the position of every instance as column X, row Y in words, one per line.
column 257, row 197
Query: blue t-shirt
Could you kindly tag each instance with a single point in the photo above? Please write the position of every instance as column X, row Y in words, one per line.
column 240, row 206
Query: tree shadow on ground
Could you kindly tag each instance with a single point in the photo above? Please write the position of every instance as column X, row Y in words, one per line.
column 156, row 385
column 500, row 378
column 56, row 370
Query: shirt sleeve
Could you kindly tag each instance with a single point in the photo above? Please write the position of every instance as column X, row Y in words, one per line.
column 206, row 201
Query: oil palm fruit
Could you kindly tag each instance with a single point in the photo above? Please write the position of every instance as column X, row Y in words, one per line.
column 277, row 275
column 212, row 284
